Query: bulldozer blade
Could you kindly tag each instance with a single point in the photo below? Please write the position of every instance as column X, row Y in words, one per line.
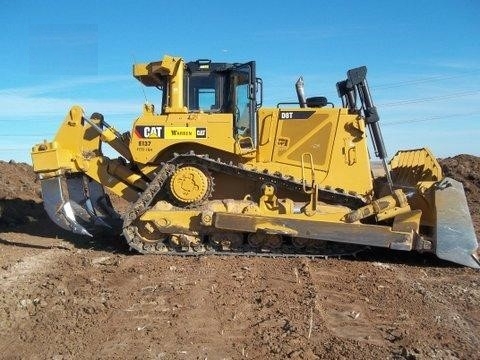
column 455, row 238
column 60, row 210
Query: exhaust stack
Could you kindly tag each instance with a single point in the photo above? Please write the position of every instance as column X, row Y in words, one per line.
column 299, row 86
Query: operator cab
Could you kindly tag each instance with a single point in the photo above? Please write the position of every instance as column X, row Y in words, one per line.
column 224, row 88
column 207, row 87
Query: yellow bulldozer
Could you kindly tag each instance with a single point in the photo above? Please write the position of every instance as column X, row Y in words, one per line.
column 213, row 171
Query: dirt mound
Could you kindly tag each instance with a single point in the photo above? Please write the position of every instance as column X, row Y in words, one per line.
column 466, row 169
column 18, row 181
column 20, row 199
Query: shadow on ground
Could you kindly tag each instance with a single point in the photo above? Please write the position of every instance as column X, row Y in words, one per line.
column 29, row 217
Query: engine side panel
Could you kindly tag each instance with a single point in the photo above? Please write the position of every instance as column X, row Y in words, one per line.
column 336, row 140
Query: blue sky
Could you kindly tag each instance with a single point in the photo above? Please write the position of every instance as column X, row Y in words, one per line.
column 423, row 60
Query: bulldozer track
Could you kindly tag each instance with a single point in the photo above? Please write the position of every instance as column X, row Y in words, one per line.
column 164, row 247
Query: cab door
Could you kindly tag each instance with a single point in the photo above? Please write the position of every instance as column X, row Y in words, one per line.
column 244, row 105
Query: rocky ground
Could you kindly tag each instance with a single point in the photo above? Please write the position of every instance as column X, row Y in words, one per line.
column 67, row 297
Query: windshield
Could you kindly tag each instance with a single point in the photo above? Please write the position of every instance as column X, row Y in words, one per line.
column 204, row 91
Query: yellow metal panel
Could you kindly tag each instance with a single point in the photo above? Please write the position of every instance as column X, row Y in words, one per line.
column 314, row 134
column 349, row 166
column 336, row 140
column 153, row 134
column 49, row 160
column 267, row 125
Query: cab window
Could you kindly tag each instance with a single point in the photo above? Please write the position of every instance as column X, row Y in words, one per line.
column 242, row 111
column 204, row 91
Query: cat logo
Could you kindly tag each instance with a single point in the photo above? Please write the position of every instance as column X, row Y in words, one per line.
column 201, row 133
column 151, row 132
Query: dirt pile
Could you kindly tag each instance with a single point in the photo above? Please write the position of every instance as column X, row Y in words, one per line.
column 18, row 181
column 20, row 199
column 466, row 169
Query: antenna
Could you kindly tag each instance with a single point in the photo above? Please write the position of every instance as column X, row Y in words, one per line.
column 143, row 89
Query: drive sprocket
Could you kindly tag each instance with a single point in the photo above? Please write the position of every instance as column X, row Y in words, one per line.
column 190, row 185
